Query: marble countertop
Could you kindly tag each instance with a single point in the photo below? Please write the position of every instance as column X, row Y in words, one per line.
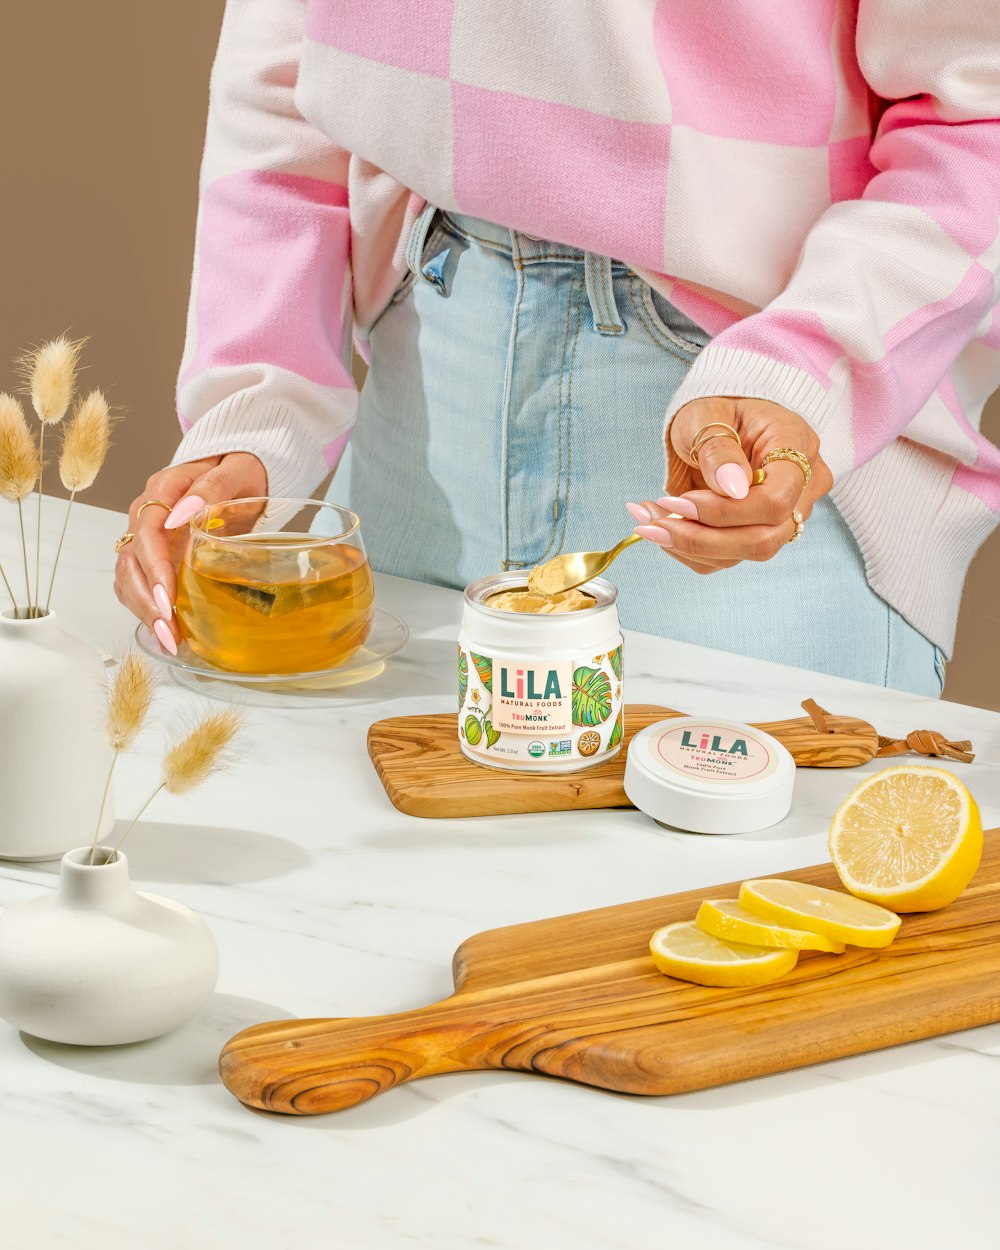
column 326, row 901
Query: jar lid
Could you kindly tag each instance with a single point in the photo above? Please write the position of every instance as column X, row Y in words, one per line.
column 707, row 775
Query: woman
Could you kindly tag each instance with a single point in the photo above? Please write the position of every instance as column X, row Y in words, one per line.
column 801, row 207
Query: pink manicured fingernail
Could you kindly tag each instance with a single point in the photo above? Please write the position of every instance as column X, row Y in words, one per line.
column 162, row 631
column 655, row 534
column 162, row 600
column 185, row 510
column 638, row 512
column 733, row 481
column 683, row 507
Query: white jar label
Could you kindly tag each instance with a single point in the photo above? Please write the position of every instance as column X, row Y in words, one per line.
column 713, row 753
column 533, row 712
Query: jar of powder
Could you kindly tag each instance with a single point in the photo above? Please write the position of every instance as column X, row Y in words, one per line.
column 539, row 678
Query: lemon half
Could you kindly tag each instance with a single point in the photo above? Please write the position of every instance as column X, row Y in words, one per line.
column 726, row 918
column 908, row 837
column 833, row 913
column 684, row 951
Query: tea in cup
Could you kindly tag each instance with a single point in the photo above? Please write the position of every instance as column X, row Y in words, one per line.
column 262, row 589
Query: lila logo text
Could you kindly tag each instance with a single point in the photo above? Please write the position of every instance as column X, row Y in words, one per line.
column 713, row 743
column 519, row 683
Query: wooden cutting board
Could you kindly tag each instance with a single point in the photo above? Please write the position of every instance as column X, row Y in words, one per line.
column 425, row 773
column 578, row 997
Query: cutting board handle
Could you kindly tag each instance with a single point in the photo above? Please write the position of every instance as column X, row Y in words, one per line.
column 308, row 1067
column 847, row 742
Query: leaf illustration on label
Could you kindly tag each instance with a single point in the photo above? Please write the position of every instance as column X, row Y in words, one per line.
column 616, row 733
column 492, row 735
column 484, row 667
column 463, row 676
column 473, row 730
column 616, row 661
column 591, row 696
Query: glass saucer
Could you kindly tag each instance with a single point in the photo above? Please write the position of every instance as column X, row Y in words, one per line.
column 387, row 636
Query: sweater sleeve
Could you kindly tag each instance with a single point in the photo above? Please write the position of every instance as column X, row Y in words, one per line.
column 266, row 365
column 891, row 287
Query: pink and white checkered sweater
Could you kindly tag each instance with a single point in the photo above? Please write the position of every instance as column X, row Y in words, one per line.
column 815, row 182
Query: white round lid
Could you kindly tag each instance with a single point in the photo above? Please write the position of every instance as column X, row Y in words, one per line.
column 709, row 775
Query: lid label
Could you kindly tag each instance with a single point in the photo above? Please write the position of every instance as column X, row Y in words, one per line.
column 714, row 753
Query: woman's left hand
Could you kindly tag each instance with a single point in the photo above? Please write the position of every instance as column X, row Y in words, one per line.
column 724, row 520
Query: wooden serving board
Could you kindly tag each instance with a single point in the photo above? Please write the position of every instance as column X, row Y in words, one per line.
column 425, row 773
column 578, row 997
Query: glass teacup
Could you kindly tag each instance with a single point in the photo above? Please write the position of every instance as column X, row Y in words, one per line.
column 274, row 586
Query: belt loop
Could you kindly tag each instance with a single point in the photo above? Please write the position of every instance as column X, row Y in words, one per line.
column 601, row 293
column 418, row 237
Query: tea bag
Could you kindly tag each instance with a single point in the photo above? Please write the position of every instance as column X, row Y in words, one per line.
column 272, row 582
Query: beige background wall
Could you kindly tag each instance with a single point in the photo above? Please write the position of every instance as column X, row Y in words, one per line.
column 102, row 110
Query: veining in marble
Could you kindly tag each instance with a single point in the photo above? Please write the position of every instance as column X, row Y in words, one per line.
column 326, row 901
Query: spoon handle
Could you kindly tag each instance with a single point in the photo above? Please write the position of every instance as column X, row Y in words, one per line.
column 618, row 548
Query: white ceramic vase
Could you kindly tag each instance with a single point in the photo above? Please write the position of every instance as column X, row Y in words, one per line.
column 54, row 760
column 96, row 963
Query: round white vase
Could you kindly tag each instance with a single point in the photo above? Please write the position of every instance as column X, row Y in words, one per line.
column 96, row 963
column 54, row 759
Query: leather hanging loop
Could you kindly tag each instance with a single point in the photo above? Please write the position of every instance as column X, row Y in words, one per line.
column 818, row 716
column 927, row 742
column 919, row 742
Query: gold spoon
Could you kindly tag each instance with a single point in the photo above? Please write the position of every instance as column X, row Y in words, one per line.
column 564, row 572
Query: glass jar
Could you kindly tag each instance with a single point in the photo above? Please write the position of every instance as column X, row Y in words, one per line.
column 539, row 693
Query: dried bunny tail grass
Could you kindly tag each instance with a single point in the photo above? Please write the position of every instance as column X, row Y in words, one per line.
column 49, row 374
column 129, row 701
column 18, row 454
column 86, row 442
column 201, row 753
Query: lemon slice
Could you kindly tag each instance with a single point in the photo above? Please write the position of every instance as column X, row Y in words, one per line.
column 726, row 918
column 829, row 912
column 682, row 950
column 908, row 837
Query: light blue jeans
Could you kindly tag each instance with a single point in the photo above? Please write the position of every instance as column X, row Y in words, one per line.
column 516, row 400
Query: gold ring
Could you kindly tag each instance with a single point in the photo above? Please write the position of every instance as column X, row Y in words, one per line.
column 123, row 542
column 152, row 503
column 759, row 477
column 701, row 438
column 799, row 527
column 796, row 457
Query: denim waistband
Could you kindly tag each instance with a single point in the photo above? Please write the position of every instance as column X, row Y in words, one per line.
column 523, row 250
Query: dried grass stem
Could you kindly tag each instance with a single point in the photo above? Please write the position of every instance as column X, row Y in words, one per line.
column 194, row 758
column 24, row 548
column 128, row 706
column 17, row 610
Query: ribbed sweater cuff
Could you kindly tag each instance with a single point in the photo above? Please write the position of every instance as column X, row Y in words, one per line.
column 270, row 430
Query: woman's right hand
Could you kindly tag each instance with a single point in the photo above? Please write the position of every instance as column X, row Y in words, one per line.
column 145, row 579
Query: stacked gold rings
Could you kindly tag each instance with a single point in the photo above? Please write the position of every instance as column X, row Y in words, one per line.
column 703, row 436
column 719, row 429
